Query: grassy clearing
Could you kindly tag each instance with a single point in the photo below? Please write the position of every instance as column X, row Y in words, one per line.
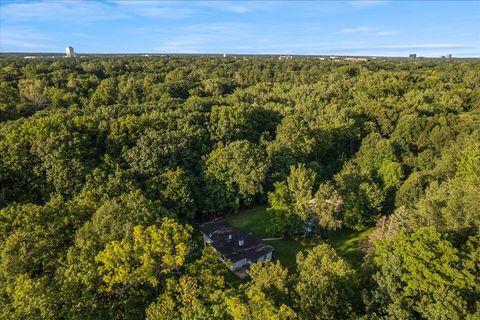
column 254, row 220
column 346, row 242
column 286, row 251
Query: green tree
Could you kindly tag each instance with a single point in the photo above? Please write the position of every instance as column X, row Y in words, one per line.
column 174, row 190
column 295, row 141
column 30, row 299
column 325, row 285
column 267, row 296
column 155, row 150
column 451, row 205
column 105, row 94
column 197, row 294
column 327, row 206
column 242, row 166
column 469, row 161
column 32, row 95
column 144, row 256
column 301, row 183
column 113, row 221
column 391, row 174
column 230, row 123
column 290, row 203
column 423, row 274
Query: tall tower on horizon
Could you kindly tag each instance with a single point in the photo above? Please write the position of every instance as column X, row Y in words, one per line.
column 69, row 52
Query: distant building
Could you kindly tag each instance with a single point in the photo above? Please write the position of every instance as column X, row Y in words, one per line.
column 224, row 55
column 354, row 59
column 413, row 56
column 69, row 52
column 285, row 58
column 448, row 56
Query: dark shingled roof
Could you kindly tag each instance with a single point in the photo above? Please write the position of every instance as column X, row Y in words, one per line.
column 252, row 249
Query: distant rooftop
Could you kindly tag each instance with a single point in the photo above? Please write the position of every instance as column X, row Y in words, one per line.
column 225, row 239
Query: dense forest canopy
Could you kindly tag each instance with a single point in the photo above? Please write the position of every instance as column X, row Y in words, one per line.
column 108, row 164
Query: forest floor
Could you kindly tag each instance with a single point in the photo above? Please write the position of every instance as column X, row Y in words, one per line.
column 346, row 242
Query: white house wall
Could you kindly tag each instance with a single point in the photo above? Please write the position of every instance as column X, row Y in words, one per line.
column 238, row 264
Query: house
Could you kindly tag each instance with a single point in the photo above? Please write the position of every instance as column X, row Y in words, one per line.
column 239, row 247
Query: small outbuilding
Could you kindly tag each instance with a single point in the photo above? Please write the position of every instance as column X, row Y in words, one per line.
column 239, row 247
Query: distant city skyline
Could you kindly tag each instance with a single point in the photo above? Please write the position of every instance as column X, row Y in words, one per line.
column 382, row 28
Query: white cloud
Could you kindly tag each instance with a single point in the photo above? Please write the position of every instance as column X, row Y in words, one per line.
column 465, row 34
column 206, row 38
column 184, row 9
column 372, row 30
column 424, row 46
column 151, row 9
column 235, row 8
column 239, row 7
column 23, row 37
column 72, row 11
column 75, row 11
column 387, row 33
column 216, row 27
column 357, row 29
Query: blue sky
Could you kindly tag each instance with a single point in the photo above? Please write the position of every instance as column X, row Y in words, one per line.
column 389, row 28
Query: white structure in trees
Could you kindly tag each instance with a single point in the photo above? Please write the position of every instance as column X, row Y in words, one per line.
column 69, row 52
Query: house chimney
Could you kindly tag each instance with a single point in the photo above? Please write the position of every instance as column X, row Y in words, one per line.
column 240, row 243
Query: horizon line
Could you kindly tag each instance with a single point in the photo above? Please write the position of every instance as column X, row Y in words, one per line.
column 235, row 54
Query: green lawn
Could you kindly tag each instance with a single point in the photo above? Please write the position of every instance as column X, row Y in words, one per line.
column 286, row 251
column 346, row 242
column 254, row 220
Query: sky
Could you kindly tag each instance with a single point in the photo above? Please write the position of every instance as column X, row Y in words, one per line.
column 379, row 27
